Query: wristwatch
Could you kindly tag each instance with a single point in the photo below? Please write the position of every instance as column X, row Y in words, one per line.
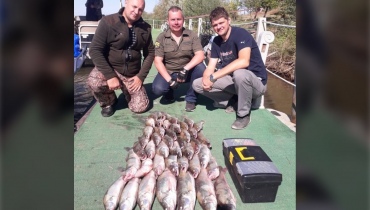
column 211, row 78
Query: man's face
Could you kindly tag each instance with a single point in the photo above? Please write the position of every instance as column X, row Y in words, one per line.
column 221, row 26
column 134, row 9
column 175, row 20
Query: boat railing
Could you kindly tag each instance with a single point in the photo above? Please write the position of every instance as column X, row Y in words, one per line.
column 86, row 31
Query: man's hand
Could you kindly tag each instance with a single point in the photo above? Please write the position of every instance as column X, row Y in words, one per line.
column 173, row 84
column 113, row 83
column 181, row 77
column 134, row 84
column 207, row 84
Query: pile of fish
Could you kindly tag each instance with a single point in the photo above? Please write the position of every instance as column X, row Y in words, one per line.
column 173, row 162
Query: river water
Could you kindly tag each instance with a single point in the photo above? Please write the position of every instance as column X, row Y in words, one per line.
column 279, row 95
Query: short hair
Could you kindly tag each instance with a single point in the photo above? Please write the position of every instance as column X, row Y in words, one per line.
column 218, row 13
column 175, row 9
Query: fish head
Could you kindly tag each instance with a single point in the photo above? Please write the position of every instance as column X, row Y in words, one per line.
column 111, row 203
column 185, row 203
column 144, row 204
column 175, row 170
column 210, row 205
column 169, row 202
column 184, row 166
column 195, row 173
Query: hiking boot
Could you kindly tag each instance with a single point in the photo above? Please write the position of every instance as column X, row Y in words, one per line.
column 241, row 122
column 169, row 97
column 190, row 106
column 108, row 110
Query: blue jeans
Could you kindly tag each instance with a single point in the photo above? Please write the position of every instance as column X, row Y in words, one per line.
column 161, row 87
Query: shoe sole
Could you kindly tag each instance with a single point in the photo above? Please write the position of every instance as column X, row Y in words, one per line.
column 235, row 128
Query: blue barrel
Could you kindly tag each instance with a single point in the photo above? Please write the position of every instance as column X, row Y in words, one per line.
column 77, row 50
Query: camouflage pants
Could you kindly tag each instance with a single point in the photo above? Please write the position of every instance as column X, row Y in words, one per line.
column 137, row 101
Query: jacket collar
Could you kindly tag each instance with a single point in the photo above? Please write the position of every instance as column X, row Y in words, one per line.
column 185, row 32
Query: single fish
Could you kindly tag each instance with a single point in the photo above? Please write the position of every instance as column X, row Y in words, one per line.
column 129, row 194
column 159, row 122
column 186, row 195
column 225, row 197
column 182, row 142
column 183, row 125
column 160, row 131
column 166, row 190
column 199, row 125
column 146, row 192
column 150, row 122
column 171, row 133
column 156, row 138
column 138, row 149
column 172, row 165
column 176, row 150
column 173, row 120
column 153, row 115
column 204, row 156
column 189, row 121
column 175, row 127
column 158, row 164
column 157, row 115
column 193, row 133
column 204, row 140
column 113, row 194
column 168, row 140
column 194, row 166
column 205, row 191
column 162, row 149
column 166, row 124
column 185, row 135
column 133, row 164
column 188, row 151
column 183, row 163
column 147, row 131
column 196, row 145
column 212, row 168
column 143, row 140
column 146, row 167
column 150, row 149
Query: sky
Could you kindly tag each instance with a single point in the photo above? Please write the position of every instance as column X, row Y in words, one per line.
column 110, row 6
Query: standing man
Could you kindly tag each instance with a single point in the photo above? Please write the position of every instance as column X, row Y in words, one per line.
column 116, row 53
column 178, row 59
column 93, row 10
column 242, row 72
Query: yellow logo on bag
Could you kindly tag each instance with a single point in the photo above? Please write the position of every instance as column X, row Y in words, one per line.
column 231, row 156
column 239, row 151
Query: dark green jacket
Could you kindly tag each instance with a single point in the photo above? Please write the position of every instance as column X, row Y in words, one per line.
column 109, row 47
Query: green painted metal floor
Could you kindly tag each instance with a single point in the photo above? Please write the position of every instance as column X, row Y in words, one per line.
column 99, row 146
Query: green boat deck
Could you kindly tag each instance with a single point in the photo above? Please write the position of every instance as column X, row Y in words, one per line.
column 99, row 146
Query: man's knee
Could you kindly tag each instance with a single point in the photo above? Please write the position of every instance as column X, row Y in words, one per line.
column 139, row 108
column 197, row 85
column 242, row 75
column 158, row 89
